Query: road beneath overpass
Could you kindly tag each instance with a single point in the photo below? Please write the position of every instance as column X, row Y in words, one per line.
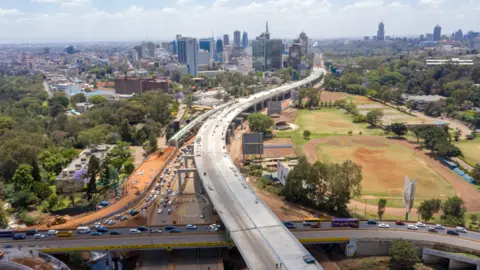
column 259, row 235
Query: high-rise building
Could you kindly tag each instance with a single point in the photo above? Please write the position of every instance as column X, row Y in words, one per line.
column 138, row 48
column 294, row 56
column 188, row 54
column 245, row 40
column 150, row 49
column 219, row 50
column 236, row 39
column 302, row 41
column 208, row 45
column 70, row 50
column 259, row 51
column 437, row 33
column 381, row 31
column 226, row 40
column 46, row 50
column 458, row 35
column 274, row 54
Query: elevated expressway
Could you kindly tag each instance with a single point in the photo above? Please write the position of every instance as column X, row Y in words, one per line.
column 260, row 236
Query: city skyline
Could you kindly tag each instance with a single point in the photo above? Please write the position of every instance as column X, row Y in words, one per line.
column 127, row 20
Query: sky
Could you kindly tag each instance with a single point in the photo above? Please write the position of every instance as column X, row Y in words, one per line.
column 23, row 21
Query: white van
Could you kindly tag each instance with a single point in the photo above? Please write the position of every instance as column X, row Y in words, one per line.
column 83, row 229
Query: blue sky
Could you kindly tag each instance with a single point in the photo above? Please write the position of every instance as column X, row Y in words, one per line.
column 133, row 20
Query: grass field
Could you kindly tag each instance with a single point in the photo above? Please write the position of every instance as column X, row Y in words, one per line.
column 470, row 150
column 325, row 122
column 384, row 166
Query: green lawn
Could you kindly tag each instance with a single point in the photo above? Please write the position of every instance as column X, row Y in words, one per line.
column 470, row 150
column 325, row 122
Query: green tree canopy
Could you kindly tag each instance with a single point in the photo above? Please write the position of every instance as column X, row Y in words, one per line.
column 259, row 122
column 403, row 255
column 373, row 117
column 97, row 99
column 381, row 207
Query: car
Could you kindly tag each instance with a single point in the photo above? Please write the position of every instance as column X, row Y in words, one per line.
column 460, row 229
column 315, row 226
column 399, row 222
column 155, row 231
column 191, row 227
column 31, row 232
column 96, row 234
column 175, row 231
column 19, row 236
column 372, row 222
column 439, row 227
column 102, row 229
column 39, row 236
column 452, row 232
column 111, row 222
column 97, row 224
column 412, row 227
column 123, row 218
column 204, row 173
column 169, row 211
column 142, row 228
column 135, row 231
column 289, row 225
column 201, row 216
column 420, row 225
column 52, row 232
column 117, row 217
column 432, row 229
column 160, row 211
column 383, row 225
column 169, row 228
column 132, row 212
column 308, row 259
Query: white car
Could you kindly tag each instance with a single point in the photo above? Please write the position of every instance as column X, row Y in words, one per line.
column 201, row 216
column 412, row 227
column 111, row 222
column 52, row 232
column 97, row 224
column 420, row 224
column 191, row 227
column 160, row 211
column 460, row 229
column 383, row 225
column 439, row 227
column 38, row 236
column 135, row 231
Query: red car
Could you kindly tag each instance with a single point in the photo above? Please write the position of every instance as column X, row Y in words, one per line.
column 315, row 226
column 399, row 222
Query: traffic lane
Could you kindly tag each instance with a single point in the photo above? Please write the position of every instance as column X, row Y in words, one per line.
column 122, row 231
column 122, row 240
column 390, row 234
column 392, row 226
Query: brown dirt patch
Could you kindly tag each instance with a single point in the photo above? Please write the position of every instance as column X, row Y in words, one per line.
column 327, row 96
column 333, row 143
column 463, row 189
column 283, row 210
column 34, row 263
column 369, row 142
column 290, row 115
column 337, row 124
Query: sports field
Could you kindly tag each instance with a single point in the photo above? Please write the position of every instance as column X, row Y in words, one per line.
column 470, row 150
column 385, row 163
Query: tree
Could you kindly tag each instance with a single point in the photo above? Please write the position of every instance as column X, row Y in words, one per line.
column 457, row 134
column 344, row 183
column 373, row 117
column 93, row 169
column 151, row 145
column 447, row 149
column 23, row 199
column 3, row 216
column 23, row 179
column 454, row 211
column 428, row 208
column 186, row 81
column 97, row 99
column 432, row 135
column 399, row 129
column 78, row 98
column 403, row 255
column 42, row 190
column 474, row 218
column 381, row 207
column 476, row 172
column 306, row 134
column 259, row 122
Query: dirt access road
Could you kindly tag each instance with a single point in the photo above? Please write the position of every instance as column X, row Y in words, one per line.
column 463, row 189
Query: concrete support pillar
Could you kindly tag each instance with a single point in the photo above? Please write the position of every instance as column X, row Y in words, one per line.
column 427, row 258
column 232, row 127
column 110, row 261
column 283, row 96
column 453, row 264
column 179, row 182
column 255, row 108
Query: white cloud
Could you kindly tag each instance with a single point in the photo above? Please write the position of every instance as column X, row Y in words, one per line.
column 219, row 3
column 64, row 3
column 169, row 9
column 430, row 2
column 253, row 7
column 398, row 5
column 183, row 2
column 9, row 12
column 364, row 4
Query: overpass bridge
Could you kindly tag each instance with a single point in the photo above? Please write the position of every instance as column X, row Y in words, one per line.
column 260, row 236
